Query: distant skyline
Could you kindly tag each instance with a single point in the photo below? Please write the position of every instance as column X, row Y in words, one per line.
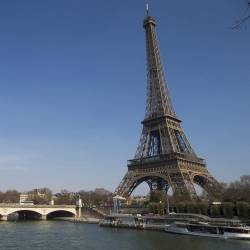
column 73, row 87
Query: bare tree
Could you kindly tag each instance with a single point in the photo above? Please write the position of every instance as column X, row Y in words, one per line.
column 238, row 190
column 245, row 18
column 10, row 196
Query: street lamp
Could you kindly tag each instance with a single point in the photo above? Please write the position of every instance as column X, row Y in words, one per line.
column 167, row 205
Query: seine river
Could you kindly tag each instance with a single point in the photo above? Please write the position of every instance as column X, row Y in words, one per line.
column 58, row 235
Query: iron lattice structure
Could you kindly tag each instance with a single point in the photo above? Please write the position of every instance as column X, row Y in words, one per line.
column 164, row 157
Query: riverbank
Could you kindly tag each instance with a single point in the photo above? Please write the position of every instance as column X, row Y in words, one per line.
column 158, row 223
column 88, row 220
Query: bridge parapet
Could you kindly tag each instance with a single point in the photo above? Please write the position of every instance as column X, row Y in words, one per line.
column 35, row 206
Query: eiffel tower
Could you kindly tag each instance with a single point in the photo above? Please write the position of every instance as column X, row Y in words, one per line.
column 164, row 157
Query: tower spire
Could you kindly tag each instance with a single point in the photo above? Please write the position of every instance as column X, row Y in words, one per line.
column 158, row 98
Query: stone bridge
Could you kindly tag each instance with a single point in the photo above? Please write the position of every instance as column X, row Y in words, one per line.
column 43, row 211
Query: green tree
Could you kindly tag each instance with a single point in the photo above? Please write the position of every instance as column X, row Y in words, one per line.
column 156, row 208
column 180, row 207
column 158, row 196
column 180, row 196
column 203, row 206
column 192, row 207
column 242, row 209
column 215, row 211
column 228, row 209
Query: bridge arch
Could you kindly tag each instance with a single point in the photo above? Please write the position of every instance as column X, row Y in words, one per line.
column 23, row 214
column 36, row 211
column 60, row 213
column 17, row 210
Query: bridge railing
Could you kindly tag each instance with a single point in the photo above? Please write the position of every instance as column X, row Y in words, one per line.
column 36, row 206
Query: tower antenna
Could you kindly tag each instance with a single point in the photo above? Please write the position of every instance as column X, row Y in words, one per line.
column 147, row 9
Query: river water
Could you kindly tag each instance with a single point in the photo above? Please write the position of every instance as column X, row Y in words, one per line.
column 59, row 235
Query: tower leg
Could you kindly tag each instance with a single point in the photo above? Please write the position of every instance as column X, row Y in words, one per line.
column 182, row 184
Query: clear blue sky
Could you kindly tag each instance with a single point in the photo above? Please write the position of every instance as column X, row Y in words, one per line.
column 73, row 85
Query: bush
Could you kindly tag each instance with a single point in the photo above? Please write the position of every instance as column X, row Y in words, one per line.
column 215, row 211
column 180, row 207
column 228, row 209
column 192, row 208
column 242, row 209
column 203, row 206
column 156, row 208
column 152, row 207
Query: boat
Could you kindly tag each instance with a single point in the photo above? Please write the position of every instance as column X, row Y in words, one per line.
column 208, row 230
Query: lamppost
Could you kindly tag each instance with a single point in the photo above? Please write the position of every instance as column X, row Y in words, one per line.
column 117, row 201
column 79, row 206
column 167, row 205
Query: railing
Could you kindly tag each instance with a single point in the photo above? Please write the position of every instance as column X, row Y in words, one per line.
column 162, row 157
column 35, row 206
